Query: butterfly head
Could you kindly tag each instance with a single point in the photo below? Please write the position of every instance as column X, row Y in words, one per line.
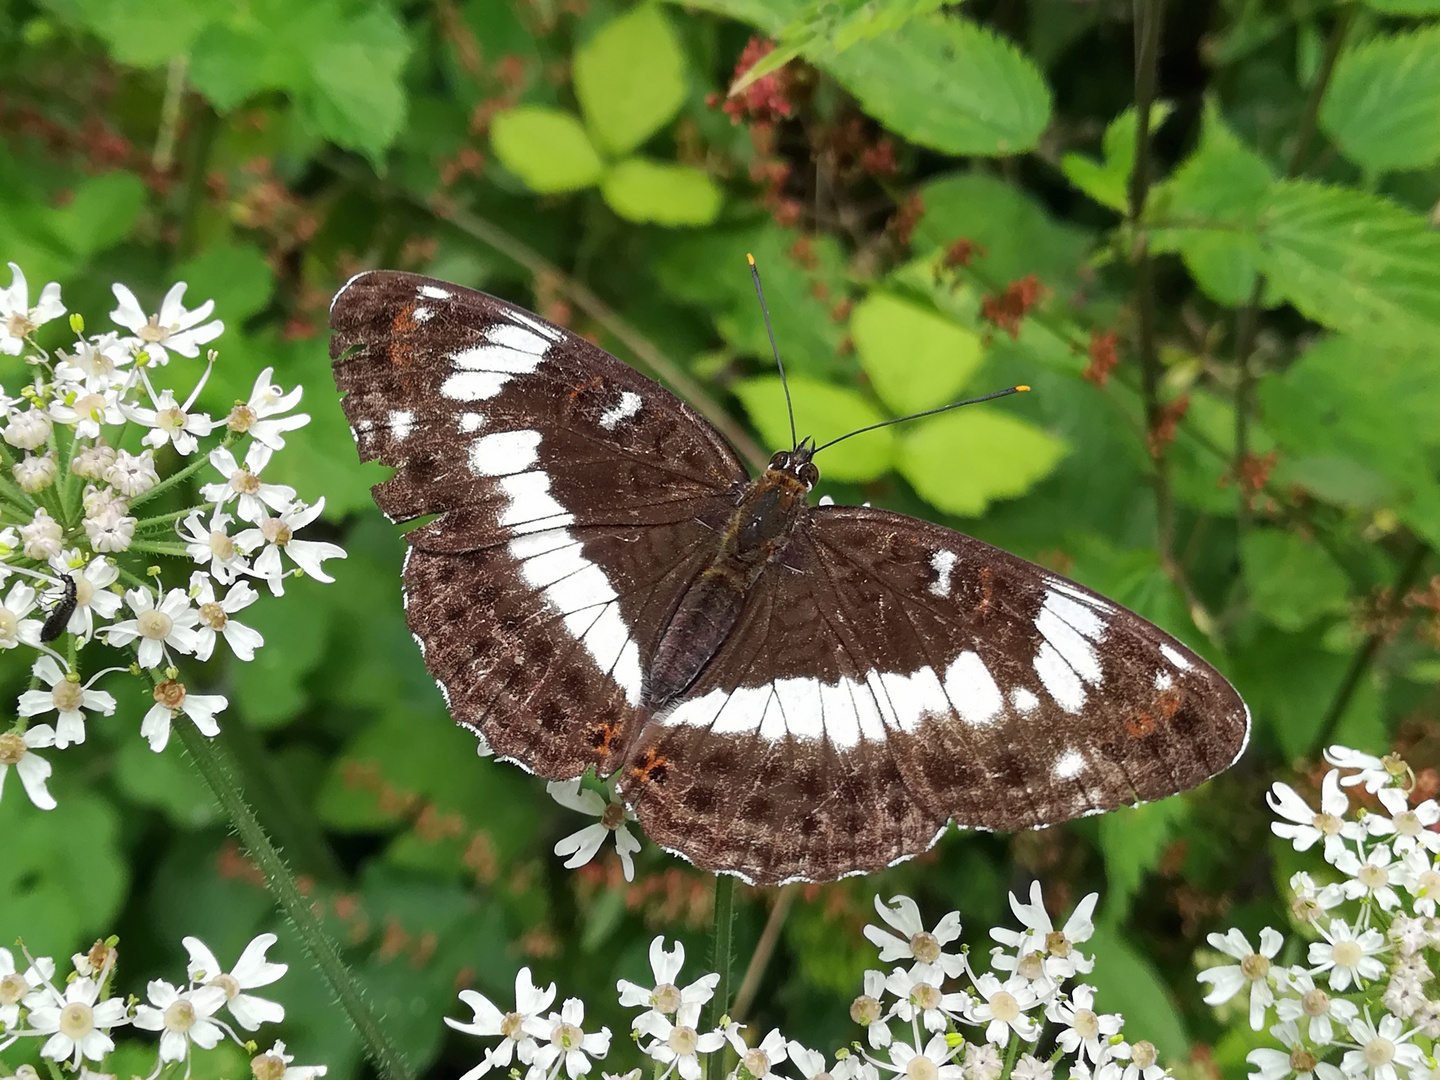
column 797, row 463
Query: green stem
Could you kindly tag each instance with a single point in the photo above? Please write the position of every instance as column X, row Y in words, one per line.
column 721, row 946
column 201, row 460
column 1011, row 1053
column 176, row 550
column 213, row 761
column 167, row 519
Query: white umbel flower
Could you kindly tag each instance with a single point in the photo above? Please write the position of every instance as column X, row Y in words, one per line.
column 171, row 329
column 182, row 1016
column 1085, row 1032
column 68, row 698
column 1410, row 827
column 252, row 970
column 243, row 484
column 678, row 1045
column 518, row 1028
column 16, row 985
column 263, row 415
column 168, row 624
column 274, row 1064
column 569, row 1044
column 1252, row 971
column 92, row 594
column 18, row 750
column 174, row 423
column 1308, row 1002
column 1348, row 956
column 77, row 1021
column 1369, row 878
column 15, row 627
column 272, row 535
column 914, row 942
column 18, row 320
column 215, row 545
column 1059, row 957
column 1303, row 826
column 931, row 1063
column 1003, row 1008
column 580, row 847
column 759, row 1061
column 1382, row 1050
column 665, row 997
column 1371, row 771
column 172, row 700
column 216, row 618
column 1296, row 1060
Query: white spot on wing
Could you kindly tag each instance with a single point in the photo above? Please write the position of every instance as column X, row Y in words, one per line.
column 800, row 702
column 516, row 337
column 402, row 422
column 837, row 706
column 972, row 690
column 473, row 385
column 915, row 697
column 1023, row 700
column 1069, row 764
column 471, row 422
column 434, row 293
column 1072, row 646
column 943, row 563
column 867, row 712
column 524, row 318
column 505, row 452
column 624, row 409
column 500, row 358
column 1084, row 619
column 740, row 712
column 1059, row 679
column 422, row 314
column 1163, row 680
column 1175, row 658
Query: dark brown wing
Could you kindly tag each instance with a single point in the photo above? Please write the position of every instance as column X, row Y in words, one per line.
column 894, row 675
column 575, row 501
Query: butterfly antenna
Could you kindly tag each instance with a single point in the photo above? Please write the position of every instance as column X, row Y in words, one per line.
column 929, row 412
column 765, row 310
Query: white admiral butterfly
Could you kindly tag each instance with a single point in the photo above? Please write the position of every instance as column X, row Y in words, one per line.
column 789, row 692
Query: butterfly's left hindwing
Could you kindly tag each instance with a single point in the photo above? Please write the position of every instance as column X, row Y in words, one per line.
column 575, row 501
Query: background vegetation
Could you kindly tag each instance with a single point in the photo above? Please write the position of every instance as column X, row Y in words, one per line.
column 1227, row 301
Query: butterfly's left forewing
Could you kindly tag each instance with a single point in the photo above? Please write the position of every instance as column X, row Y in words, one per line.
column 959, row 681
column 573, row 502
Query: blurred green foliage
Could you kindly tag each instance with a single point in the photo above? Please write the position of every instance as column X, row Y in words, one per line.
column 943, row 202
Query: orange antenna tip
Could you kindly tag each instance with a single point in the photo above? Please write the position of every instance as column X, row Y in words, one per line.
column 750, row 258
column 1023, row 389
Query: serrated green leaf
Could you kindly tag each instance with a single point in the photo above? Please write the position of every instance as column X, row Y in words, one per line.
column 1017, row 235
column 1292, row 581
column 662, row 193
column 824, row 411
column 1208, row 211
column 827, row 27
column 1382, row 107
column 546, row 148
column 1351, row 261
column 630, row 79
column 962, row 461
column 1127, row 983
column 356, row 98
column 916, row 358
column 948, row 84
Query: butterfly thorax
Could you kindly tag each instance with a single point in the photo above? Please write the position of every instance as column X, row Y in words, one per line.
column 768, row 510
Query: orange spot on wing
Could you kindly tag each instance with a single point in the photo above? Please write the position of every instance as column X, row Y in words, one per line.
column 1139, row 724
column 1168, row 702
column 652, row 769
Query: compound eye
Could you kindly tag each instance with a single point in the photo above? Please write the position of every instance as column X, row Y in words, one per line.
column 809, row 474
column 779, row 460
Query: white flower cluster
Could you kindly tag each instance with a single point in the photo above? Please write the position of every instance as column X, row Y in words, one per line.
column 76, row 1021
column 930, row 1018
column 82, row 449
column 1365, row 1003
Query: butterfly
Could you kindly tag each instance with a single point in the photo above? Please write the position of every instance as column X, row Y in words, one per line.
column 787, row 691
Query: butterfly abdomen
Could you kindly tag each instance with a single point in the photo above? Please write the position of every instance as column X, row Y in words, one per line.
column 754, row 538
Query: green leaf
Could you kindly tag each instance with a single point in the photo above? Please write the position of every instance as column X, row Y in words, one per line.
column 1132, row 840
column 62, row 879
column 1383, row 104
column 1016, row 233
column 960, row 462
column 546, row 148
column 1107, row 181
column 1293, row 581
column 270, row 689
column 1405, row 7
column 356, row 97
column 146, row 33
column 827, row 27
column 662, row 193
column 236, row 276
column 630, row 78
column 948, row 84
column 916, row 358
column 1209, row 212
column 825, row 411
column 102, row 213
column 1127, row 983
column 1351, row 261
column 166, row 781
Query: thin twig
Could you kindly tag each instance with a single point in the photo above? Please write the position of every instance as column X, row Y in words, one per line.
column 1360, row 663
column 164, row 154
column 764, row 949
column 1149, row 15
column 1247, row 322
column 642, row 348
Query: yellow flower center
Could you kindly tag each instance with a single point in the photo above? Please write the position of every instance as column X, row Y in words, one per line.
column 1005, row 1007
column 77, row 1020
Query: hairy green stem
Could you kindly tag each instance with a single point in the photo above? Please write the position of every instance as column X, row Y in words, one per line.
column 201, row 460
column 216, row 766
column 721, row 946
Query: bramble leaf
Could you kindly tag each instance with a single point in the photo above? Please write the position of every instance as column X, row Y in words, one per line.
column 1383, row 104
column 546, row 148
column 630, row 78
column 916, row 358
column 987, row 455
column 661, row 192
